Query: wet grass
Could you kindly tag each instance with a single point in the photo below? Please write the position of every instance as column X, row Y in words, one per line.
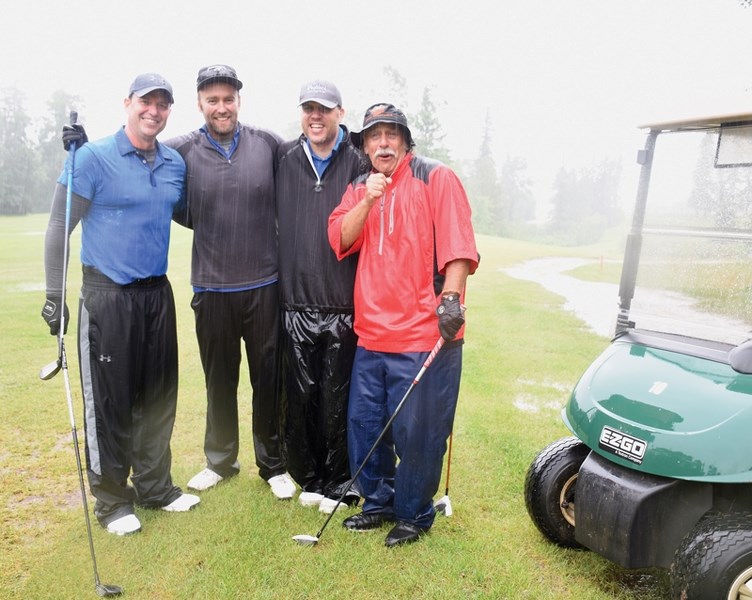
column 523, row 354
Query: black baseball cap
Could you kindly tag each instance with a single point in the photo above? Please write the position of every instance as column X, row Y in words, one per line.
column 148, row 82
column 218, row 74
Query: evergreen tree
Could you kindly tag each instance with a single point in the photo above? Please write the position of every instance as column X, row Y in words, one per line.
column 51, row 151
column 484, row 189
column 426, row 130
column 516, row 189
column 585, row 202
column 18, row 157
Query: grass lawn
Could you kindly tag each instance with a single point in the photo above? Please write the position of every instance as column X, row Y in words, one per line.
column 522, row 355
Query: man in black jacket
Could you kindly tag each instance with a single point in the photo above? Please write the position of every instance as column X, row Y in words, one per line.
column 318, row 342
column 231, row 209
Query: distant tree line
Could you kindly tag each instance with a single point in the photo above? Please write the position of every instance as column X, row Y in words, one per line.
column 31, row 152
column 584, row 202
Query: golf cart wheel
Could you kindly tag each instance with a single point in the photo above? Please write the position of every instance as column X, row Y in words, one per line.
column 715, row 560
column 550, row 487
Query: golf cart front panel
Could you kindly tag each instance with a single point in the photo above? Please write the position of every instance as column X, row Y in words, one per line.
column 647, row 405
column 634, row 519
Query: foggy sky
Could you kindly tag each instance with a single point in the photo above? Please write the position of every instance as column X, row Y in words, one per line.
column 566, row 83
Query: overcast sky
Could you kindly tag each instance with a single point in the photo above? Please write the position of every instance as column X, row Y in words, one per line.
column 566, row 82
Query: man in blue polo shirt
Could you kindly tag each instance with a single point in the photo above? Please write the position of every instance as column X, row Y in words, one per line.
column 125, row 188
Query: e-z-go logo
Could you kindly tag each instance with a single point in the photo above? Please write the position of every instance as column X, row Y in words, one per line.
column 622, row 445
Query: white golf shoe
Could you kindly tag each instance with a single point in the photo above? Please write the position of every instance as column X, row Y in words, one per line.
column 310, row 498
column 125, row 525
column 182, row 503
column 329, row 505
column 282, row 486
column 204, row 480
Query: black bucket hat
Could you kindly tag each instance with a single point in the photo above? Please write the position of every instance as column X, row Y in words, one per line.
column 382, row 112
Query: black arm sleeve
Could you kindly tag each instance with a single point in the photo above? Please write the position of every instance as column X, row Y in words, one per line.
column 54, row 239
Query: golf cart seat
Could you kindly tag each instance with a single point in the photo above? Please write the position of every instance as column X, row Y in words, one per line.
column 740, row 358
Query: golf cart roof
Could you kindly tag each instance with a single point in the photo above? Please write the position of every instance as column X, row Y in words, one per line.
column 699, row 123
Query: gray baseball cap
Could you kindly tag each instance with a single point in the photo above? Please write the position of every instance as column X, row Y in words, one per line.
column 148, row 82
column 321, row 91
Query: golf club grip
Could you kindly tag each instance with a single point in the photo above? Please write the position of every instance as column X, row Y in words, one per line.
column 429, row 360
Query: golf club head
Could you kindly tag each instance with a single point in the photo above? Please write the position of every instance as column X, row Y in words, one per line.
column 444, row 506
column 49, row 371
column 306, row 540
column 105, row 590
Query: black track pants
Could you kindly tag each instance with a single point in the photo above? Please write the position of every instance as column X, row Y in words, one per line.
column 223, row 319
column 127, row 345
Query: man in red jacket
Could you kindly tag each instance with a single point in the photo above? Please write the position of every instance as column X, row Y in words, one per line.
column 409, row 221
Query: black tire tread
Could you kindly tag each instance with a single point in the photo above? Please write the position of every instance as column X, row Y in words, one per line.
column 566, row 454
column 711, row 556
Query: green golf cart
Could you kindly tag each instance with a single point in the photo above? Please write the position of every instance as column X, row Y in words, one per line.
column 658, row 471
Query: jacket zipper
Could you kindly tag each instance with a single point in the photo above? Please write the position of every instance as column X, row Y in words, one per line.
column 307, row 152
column 381, row 220
column 381, row 224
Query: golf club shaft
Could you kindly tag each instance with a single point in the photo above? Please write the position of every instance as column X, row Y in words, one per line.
column 74, row 434
column 66, row 235
column 397, row 410
column 101, row 589
column 449, row 463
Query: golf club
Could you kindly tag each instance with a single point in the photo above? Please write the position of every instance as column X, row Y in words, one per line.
column 312, row 540
column 49, row 371
column 102, row 589
column 444, row 505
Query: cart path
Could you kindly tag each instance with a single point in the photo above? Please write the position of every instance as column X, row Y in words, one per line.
column 597, row 303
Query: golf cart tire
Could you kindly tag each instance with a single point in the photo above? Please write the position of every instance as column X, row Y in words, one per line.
column 550, row 489
column 715, row 560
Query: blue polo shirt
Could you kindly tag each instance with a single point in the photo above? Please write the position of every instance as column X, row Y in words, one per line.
column 126, row 231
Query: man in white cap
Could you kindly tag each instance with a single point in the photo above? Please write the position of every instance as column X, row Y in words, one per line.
column 316, row 291
column 125, row 188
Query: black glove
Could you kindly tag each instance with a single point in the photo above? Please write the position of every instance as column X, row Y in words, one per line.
column 451, row 315
column 51, row 314
column 74, row 133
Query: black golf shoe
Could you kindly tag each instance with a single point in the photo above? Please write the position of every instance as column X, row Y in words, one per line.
column 403, row 533
column 365, row 521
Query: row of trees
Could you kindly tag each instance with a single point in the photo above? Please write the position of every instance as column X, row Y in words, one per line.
column 585, row 202
column 31, row 153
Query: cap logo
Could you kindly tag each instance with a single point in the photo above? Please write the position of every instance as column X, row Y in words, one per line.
column 317, row 87
column 218, row 70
